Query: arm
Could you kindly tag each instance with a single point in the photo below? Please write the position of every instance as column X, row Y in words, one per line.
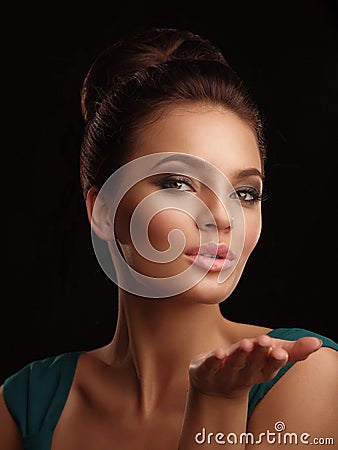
column 10, row 436
column 208, row 419
column 220, row 382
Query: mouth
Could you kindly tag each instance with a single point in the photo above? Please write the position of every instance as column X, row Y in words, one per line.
column 212, row 257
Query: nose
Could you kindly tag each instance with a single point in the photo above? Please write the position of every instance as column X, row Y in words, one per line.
column 214, row 216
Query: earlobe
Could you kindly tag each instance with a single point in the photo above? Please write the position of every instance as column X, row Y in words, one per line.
column 98, row 215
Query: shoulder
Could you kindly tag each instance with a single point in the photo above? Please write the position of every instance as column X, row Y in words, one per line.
column 318, row 370
column 37, row 391
column 304, row 398
column 327, row 355
column 9, row 429
column 237, row 330
column 39, row 374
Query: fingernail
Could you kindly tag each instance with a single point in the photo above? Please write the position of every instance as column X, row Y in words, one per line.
column 281, row 356
column 220, row 353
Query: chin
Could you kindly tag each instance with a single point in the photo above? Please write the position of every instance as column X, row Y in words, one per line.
column 208, row 292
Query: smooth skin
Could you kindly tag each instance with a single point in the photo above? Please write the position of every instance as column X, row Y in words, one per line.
column 176, row 365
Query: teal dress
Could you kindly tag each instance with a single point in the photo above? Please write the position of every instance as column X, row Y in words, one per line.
column 36, row 395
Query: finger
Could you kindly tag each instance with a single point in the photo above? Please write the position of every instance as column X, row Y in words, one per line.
column 277, row 358
column 302, row 348
column 258, row 357
column 238, row 357
column 210, row 362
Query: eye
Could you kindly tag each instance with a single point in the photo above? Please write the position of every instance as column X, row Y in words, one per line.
column 176, row 182
column 247, row 195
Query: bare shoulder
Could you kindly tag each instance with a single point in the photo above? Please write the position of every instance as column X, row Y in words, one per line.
column 9, row 431
column 304, row 398
column 245, row 330
column 102, row 354
column 98, row 379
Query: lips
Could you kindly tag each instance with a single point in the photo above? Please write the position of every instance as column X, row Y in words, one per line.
column 212, row 256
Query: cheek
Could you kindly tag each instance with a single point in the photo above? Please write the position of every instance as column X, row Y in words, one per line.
column 166, row 221
column 122, row 223
column 124, row 214
column 253, row 227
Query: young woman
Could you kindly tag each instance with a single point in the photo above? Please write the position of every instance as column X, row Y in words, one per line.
column 172, row 169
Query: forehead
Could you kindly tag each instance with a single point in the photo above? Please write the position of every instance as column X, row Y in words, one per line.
column 214, row 134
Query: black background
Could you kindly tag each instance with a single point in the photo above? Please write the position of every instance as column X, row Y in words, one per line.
column 58, row 297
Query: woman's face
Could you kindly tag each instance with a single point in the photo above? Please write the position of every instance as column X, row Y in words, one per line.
column 223, row 140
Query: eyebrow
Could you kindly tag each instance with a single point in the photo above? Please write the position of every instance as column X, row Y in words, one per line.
column 249, row 173
column 200, row 163
column 192, row 161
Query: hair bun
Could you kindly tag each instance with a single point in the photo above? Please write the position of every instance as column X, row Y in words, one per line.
column 141, row 50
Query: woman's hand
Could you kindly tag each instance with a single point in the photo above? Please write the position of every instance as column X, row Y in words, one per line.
column 232, row 372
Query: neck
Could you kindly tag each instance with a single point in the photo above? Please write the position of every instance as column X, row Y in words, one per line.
column 157, row 338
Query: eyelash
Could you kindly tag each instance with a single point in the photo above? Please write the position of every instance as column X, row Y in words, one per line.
column 256, row 196
column 164, row 184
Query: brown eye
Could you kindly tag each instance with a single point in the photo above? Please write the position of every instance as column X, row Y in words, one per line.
column 175, row 185
column 179, row 184
column 247, row 195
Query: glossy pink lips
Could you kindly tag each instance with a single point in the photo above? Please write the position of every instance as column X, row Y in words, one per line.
column 212, row 256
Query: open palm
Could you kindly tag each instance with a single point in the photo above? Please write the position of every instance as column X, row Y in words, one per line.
column 233, row 371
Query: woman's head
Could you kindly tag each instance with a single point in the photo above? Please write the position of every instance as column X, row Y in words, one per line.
column 141, row 77
column 168, row 91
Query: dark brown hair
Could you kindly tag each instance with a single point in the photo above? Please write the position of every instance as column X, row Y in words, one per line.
column 142, row 75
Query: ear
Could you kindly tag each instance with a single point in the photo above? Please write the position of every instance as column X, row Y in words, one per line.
column 98, row 215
